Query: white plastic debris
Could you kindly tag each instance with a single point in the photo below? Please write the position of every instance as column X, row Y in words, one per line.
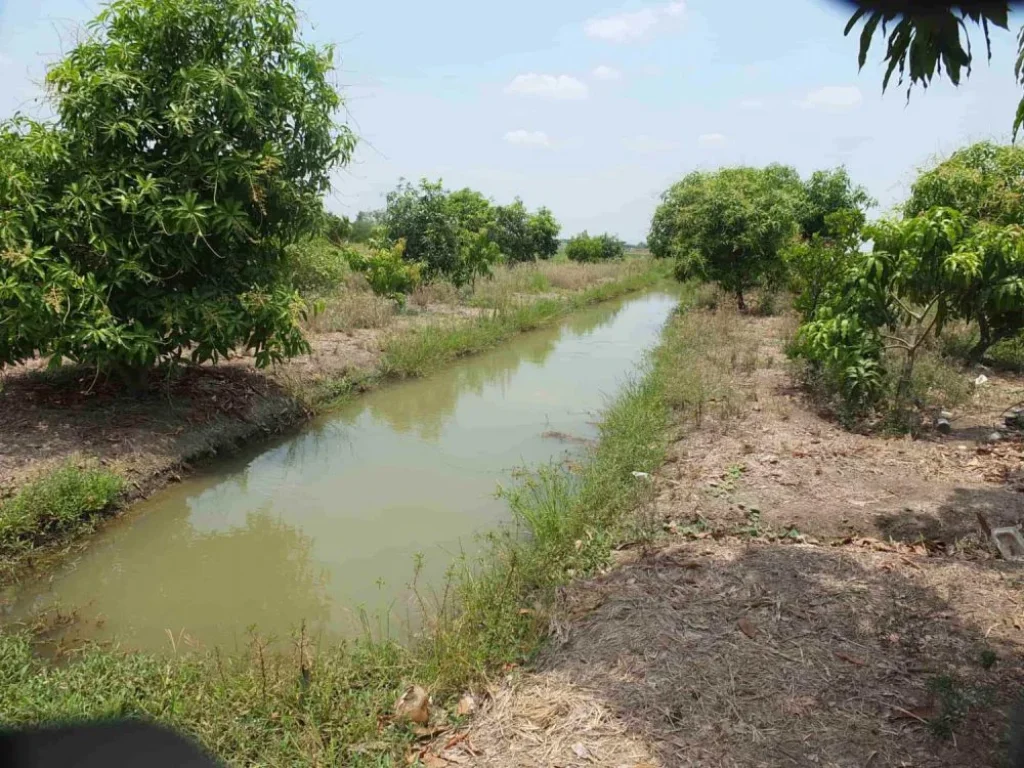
column 982, row 379
column 644, row 475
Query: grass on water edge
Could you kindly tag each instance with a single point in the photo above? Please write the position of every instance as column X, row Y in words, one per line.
column 332, row 705
column 66, row 499
column 420, row 351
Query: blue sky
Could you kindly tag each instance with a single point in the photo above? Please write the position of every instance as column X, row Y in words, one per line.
column 594, row 108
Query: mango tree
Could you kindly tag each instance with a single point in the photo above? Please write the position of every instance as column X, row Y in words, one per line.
column 728, row 226
column 985, row 184
column 193, row 141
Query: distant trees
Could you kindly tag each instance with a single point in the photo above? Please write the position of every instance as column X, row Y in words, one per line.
column 363, row 226
column 586, row 248
column 193, row 141
column 459, row 235
column 543, row 231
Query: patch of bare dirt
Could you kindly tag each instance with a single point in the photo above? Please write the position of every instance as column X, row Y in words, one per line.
column 821, row 598
column 793, row 468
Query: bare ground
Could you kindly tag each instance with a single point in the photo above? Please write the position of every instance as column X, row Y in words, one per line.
column 47, row 419
column 820, row 598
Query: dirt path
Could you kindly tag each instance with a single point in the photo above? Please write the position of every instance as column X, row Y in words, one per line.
column 820, row 598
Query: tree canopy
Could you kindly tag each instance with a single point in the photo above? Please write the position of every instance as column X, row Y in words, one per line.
column 827, row 192
column 457, row 235
column 592, row 248
column 730, row 225
column 193, row 142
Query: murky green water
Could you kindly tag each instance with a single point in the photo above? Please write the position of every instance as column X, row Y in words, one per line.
column 328, row 521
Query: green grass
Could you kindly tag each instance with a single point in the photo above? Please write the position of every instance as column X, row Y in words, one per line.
column 425, row 349
column 331, row 706
column 59, row 503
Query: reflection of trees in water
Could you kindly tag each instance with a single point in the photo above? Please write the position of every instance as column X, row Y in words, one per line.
column 591, row 319
column 426, row 406
column 261, row 573
column 319, row 442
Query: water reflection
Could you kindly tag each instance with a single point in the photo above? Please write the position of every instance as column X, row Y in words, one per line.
column 426, row 412
column 199, row 580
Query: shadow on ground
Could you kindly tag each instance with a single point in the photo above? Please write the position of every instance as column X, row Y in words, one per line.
column 738, row 653
column 49, row 417
column 956, row 520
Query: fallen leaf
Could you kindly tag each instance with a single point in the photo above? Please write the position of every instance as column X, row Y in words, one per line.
column 430, row 760
column 747, row 627
column 466, row 705
column 850, row 658
column 457, row 738
column 413, row 706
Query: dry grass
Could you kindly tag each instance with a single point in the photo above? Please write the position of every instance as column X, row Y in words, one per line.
column 353, row 309
column 570, row 276
column 713, row 351
column 437, row 292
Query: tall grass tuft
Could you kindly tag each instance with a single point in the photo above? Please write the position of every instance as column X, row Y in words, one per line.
column 55, row 504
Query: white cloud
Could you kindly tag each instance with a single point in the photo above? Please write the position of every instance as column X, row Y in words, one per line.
column 604, row 72
column 647, row 144
column 833, row 97
column 751, row 104
column 548, row 86
column 711, row 140
column 526, row 138
column 631, row 26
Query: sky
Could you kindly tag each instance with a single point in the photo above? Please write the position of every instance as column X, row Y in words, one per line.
column 594, row 108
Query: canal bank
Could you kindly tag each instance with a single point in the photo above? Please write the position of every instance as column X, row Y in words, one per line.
column 333, row 703
column 86, row 448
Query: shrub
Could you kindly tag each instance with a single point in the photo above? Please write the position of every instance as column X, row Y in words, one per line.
column 818, row 265
column 385, row 269
column 316, row 265
column 587, row 249
column 150, row 220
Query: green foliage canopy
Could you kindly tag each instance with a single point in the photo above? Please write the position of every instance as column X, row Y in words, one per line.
column 928, row 40
column 458, row 235
column 588, row 249
column 827, row 192
column 543, row 231
column 984, row 184
column 729, row 225
column 193, row 142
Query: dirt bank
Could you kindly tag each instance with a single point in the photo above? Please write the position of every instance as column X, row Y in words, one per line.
column 816, row 597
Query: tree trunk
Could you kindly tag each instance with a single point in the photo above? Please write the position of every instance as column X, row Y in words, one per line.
column 979, row 349
column 740, row 303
